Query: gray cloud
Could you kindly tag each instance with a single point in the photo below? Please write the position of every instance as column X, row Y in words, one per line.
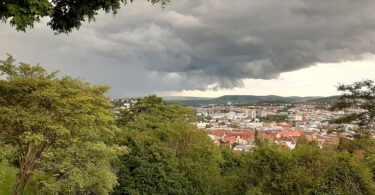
column 200, row 44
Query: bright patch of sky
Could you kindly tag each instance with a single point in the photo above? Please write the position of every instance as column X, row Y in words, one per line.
column 319, row 80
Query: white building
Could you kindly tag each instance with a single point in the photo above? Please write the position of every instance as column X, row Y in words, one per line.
column 252, row 114
column 262, row 114
column 202, row 125
column 255, row 125
column 298, row 117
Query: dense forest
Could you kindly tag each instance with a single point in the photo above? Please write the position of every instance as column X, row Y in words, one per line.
column 60, row 135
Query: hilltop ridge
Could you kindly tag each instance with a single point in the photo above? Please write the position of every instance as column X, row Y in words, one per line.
column 239, row 99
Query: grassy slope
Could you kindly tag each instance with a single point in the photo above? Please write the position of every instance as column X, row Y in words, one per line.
column 7, row 180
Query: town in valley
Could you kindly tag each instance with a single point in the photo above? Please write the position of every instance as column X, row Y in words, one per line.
column 236, row 125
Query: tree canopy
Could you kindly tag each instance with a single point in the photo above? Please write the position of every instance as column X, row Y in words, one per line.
column 169, row 155
column 359, row 96
column 65, row 15
column 40, row 114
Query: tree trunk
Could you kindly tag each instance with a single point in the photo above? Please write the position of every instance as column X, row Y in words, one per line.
column 18, row 181
column 26, row 181
column 26, row 165
column 21, row 183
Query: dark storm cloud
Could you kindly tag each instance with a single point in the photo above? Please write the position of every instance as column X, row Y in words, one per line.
column 194, row 44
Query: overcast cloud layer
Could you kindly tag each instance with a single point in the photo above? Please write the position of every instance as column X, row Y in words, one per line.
column 200, row 44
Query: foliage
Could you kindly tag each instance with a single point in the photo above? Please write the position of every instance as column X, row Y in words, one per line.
column 359, row 95
column 8, row 172
column 274, row 118
column 269, row 164
column 230, row 171
column 360, row 142
column 302, row 140
column 64, row 15
column 40, row 114
column 271, row 169
column 89, row 172
column 168, row 154
column 151, row 112
column 6, row 152
column 231, row 160
column 149, row 168
column 346, row 176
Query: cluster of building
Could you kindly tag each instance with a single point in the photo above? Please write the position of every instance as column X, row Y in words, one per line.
column 123, row 103
column 236, row 126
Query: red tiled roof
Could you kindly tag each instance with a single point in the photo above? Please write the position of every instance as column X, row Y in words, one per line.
column 229, row 139
column 244, row 134
column 217, row 132
column 291, row 133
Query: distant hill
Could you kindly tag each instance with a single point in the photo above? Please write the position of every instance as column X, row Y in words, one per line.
column 184, row 98
column 241, row 99
column 326, row 99
column 268, row 98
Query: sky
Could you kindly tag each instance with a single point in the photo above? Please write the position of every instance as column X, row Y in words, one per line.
column 210, row 48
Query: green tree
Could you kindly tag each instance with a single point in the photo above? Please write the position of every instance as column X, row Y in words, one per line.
column 64, row 15
column 6, row 157
column 150, row 112
column 272, row 169
column 231, row 171
column 41, row 113
column 80, row 169
column 359, row 142
column 169, row 155
column 359, row 95
column 310, row 164
column 269, row 165
column 346, row 176
column 274, row 118
column 302, row 140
